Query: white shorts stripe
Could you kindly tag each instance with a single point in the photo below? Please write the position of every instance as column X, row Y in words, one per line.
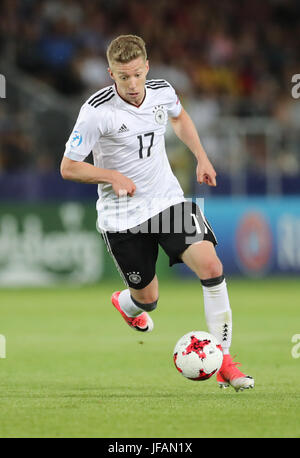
column 208, row 225
column 106, row 241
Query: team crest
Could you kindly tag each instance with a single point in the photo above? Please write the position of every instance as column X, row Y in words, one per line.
column 134, row 277
column 160, row 114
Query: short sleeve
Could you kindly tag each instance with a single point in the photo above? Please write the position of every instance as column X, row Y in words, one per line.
column 84, row 136
column 173, row 106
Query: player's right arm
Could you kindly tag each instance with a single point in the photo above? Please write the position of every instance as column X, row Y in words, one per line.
column 83, row 172
column 83, row 138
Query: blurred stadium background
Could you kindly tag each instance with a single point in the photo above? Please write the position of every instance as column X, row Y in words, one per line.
column 74, row 369
column 231, row 63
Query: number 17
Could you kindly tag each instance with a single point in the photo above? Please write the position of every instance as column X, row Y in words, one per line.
column 140, row 137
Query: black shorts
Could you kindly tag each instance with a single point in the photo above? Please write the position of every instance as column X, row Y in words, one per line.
column 135, row 250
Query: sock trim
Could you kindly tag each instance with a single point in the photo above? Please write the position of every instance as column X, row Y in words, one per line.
column 213, row 281
column 146, row 307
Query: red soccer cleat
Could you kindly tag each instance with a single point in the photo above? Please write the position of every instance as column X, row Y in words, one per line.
column 141, row 322
column 229, row 374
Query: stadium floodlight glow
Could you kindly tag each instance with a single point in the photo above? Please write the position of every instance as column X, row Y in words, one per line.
column 2, row 87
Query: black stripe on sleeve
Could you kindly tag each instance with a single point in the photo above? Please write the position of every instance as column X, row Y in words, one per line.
column 99, row 102
column 157, row 87
column 156, row 81
column 100, row 96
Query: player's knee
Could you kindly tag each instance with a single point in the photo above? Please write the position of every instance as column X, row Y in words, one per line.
column 148, row 306
column 212, row 268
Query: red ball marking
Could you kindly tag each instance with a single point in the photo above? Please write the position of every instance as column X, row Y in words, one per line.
column 196, row 346
column 175, row 359
column 203, row 375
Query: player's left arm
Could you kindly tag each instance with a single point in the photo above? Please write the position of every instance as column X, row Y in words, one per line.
column 186, row 131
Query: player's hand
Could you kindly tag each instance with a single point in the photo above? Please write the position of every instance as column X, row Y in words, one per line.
column 122, row 185
column 206, row 173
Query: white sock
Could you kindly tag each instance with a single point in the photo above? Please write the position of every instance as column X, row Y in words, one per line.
column 218, row 313
column 127, row 304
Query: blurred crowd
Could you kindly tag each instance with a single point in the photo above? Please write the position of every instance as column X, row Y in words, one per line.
column 235, row 57
column 234, row 48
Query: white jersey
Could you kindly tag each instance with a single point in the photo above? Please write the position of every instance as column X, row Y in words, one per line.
column 129, row 139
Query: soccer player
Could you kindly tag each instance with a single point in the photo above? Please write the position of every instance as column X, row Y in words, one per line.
column 141, row 204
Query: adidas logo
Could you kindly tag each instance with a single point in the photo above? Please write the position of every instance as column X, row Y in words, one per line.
column 122, row 129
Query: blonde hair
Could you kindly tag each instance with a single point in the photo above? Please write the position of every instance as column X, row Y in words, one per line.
column 126, row 48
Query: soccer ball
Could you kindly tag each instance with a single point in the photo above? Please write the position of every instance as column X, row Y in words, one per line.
column 198, row 355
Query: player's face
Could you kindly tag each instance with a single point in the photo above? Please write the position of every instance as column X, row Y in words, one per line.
column 130, row 79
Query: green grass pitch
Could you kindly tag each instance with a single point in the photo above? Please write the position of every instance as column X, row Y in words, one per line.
column 73, row 368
